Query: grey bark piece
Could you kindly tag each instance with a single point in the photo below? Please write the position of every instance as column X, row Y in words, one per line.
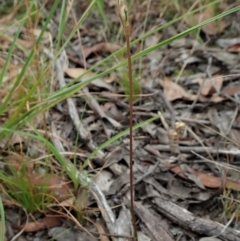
column 108, row 216
column 199, row 225
column 152, row 223
column 62, row 234
column 65, row 234
column 123, row 223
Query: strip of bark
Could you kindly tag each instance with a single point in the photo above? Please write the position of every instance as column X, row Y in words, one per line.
column 199, row 225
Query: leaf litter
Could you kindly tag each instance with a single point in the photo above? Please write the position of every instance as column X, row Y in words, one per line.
column 178, row 196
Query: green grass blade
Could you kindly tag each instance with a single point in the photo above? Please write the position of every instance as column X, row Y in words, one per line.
column 100, row 8
column 73, row 89
column 80, row 22
column 70, row 90
column 62, row 24
column 2, row 228
column 24, row 69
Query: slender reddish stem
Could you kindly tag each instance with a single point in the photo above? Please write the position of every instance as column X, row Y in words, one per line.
column 127, row 35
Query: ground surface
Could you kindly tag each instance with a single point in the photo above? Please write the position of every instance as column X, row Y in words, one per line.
column 186, row 161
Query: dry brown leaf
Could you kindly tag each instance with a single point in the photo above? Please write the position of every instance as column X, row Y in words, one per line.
column 10, row 16
column 46, row 37
column 208, row 85
column 215, row 98
column 231, row 90
column 76, row 72
column 234, row 48
column 101, row 231
column 25, row 43
column 112, row 77
column 101, row 47
column 235, row 135
column 173, row 91
column 113, row 111
column 208, row 180
column 58, row 187
column 7, row 18
column 44, row 223
column 5, row 43
column 66, row 203
column 17, row 161
column 112, row 3
column 212, row 28
column 189, row 173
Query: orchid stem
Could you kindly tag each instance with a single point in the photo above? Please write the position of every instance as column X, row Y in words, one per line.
column 123, row 14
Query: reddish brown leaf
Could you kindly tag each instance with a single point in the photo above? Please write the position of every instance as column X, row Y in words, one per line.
column 208, row 180
column 234, row 48
column 44, row 223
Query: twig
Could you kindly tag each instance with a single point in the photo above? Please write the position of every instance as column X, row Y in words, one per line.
column 198, row 149
column 72, row 108
column 219, row 164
